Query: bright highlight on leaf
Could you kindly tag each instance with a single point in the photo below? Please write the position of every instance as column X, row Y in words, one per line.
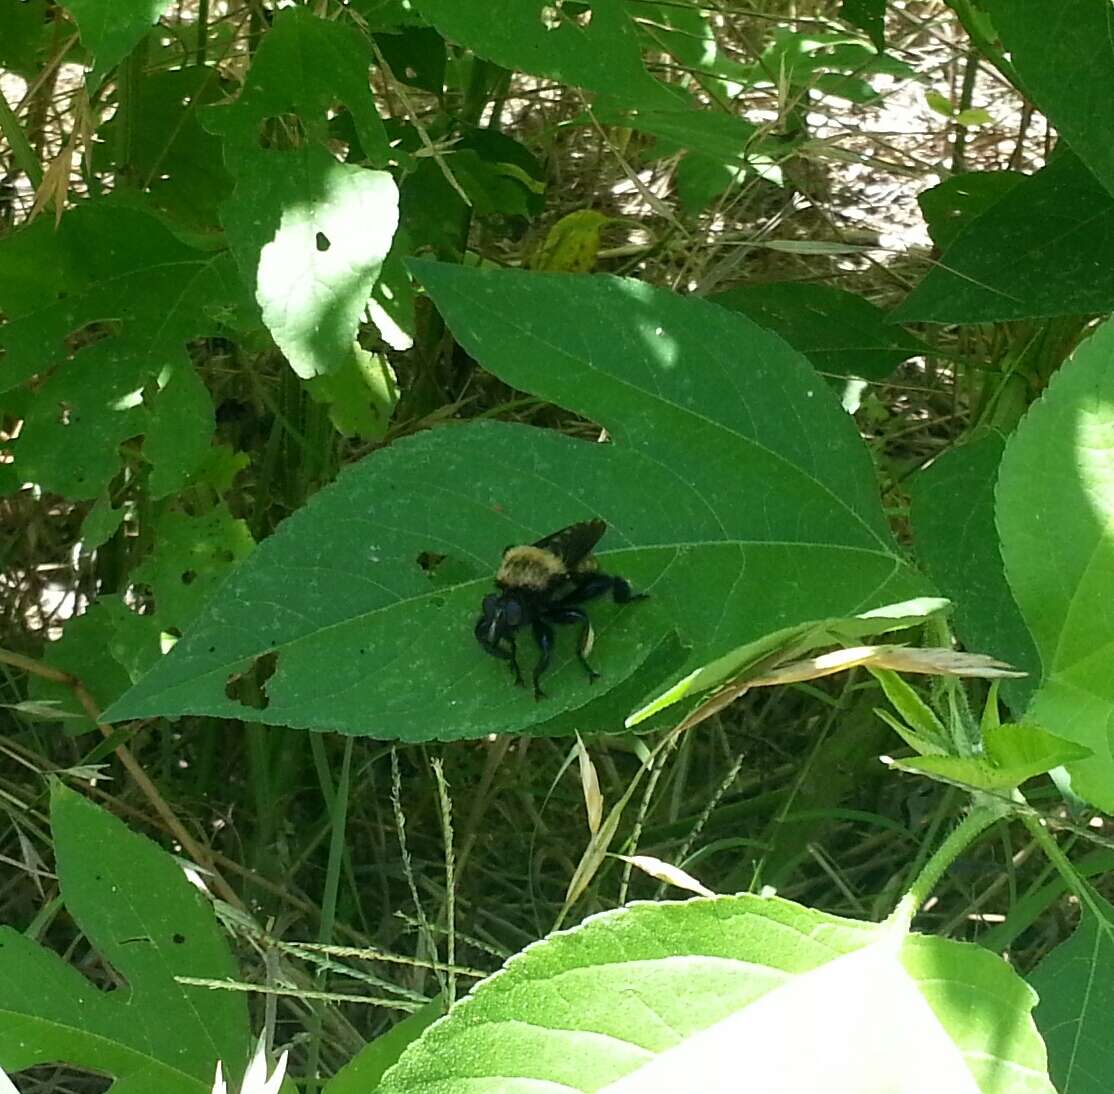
column 734, row 986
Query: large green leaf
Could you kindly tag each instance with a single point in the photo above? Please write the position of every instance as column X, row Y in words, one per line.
column 593, row 47
column 310, row 234
column 1075, row 983
column 1041, row 250
column 952, row 514
column 1064, row 55
column 736, row 490
column 150, row 924
column 1056, row 519
column 721, row 994
column 722, row 137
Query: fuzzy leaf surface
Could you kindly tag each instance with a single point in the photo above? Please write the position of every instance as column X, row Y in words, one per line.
column 736, row 492
column 139, row 912
column 692, row 996
column 1056, row 520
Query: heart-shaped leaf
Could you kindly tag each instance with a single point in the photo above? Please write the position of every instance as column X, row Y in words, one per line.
column 736, row 491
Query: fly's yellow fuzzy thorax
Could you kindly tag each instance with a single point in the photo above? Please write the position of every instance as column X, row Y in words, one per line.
column 529, row 568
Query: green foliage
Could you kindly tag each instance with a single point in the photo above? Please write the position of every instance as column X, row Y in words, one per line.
column 1035, row 252
column 123, row 304
column 1064, row 61
column 725, row 980
column 301, row 351
column 594, row 48
column 150, row 924
column 953, row 520
column 795, row 534
column 1057, row 473
column 839, row 332
column 1074, row 985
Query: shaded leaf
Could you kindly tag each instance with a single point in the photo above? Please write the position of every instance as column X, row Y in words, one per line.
column 180, row 430
column 596, row 48
column 1065, row 58
column 111, row 31
column 868, row 15
column 170, row 155
column 1039, row 251
column 100, row 523
column 83, row 652
column 950, row 208
column 144, row 918
column 838, row 331
column 101, row 344
column 952, row 514
column 416, row 56
column 24, row 34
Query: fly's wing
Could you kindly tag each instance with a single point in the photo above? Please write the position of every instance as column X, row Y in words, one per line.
column 574, row 544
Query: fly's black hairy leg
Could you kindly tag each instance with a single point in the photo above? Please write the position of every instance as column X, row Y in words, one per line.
column 543, row 635
column 587, row 635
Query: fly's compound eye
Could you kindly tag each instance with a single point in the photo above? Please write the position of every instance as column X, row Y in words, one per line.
column 490, row 606
column 512, row 613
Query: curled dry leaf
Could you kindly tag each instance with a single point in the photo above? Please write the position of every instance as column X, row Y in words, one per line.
column 590, row 784
column 670, row 874
column 933, row 661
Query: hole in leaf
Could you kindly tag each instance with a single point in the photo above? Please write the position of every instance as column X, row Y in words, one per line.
column 282, row 133
column 248, row 688
column 90, row 333
column 550, row 16
column 64, row 1077
column 430, row 560
column 65, row 413
column 140, row 597
column 322, row 241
